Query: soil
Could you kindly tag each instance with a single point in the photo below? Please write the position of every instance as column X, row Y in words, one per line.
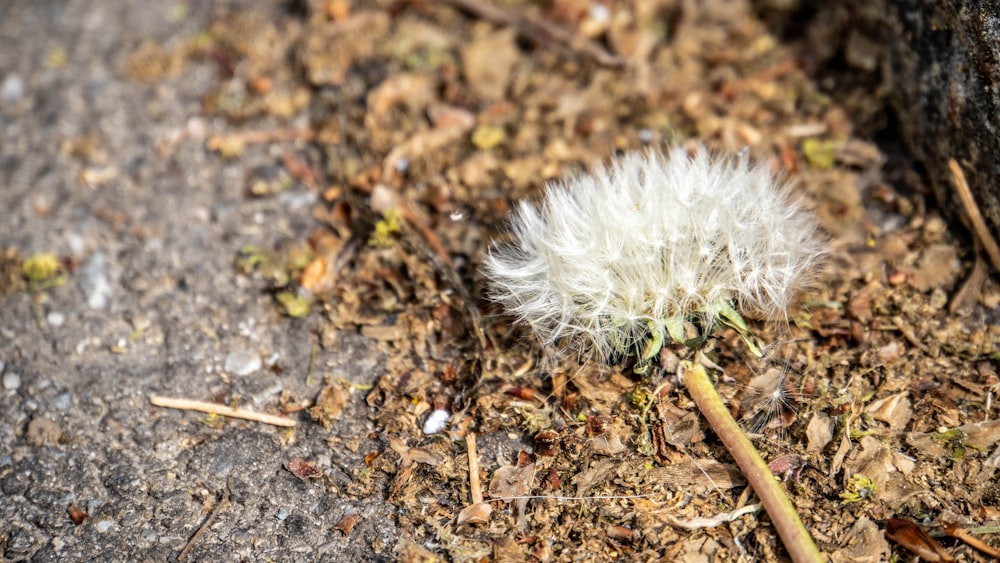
column 282, row 208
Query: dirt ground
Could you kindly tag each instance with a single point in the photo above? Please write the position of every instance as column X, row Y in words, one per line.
column 282, row 207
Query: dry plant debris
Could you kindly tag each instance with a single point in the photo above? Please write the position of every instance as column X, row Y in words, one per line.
column 419, row 131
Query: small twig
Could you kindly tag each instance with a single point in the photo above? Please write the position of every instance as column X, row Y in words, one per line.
column 539, row 31
column 474, row 484
column 956, row 531
column 212, row 408
column 975, row 217
column 219, row 506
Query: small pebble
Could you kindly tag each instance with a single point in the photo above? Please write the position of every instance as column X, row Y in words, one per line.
column 103, row 525
column 94, row 281
column 11, row 381
column 282, row 514
column 242, row 362
column 63, row 401
column 12, row 88
column 55, row 319
column 436, row 421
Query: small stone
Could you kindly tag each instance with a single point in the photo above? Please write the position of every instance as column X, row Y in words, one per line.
column 242, row 362
column 94, row 281
column 12, row 88
column 282, row 514
column 63, row 401
column 55, row 319
column 11, row 381
column 103, row 526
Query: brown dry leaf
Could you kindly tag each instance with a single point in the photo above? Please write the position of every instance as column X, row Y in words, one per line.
column 703, row 474
column 864, row 543
column 608, row 443
column 594, row 474
column 303, row 469
column 509, row 481
column 914, row 539
column 76, row 514
column 894, row 410
column 981, row 435
column 838, row 457
column 329, row 404
column 478, row 513
column 819, row 432
column 347, row 524
column 874, row 461
column 487, row 63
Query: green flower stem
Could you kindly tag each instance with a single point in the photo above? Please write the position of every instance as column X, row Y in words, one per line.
column 796, row 538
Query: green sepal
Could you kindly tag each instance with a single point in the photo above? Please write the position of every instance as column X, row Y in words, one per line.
column 675, row 328
column 655, row 342
column 731, row 318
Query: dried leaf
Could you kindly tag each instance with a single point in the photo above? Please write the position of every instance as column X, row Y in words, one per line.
column 699, row 474
column 864, row 544
column 596, row 473
column 478, row 513
column 303, row 469
column 347, row 523
column 509, row 481
column 329, row 404
column 894, row 410
column 76, row 514
column 819, row 432
column 915, row 540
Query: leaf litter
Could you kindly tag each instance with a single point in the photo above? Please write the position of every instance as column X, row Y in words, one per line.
column 418, row 124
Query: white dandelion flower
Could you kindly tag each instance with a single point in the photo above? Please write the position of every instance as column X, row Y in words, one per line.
column 621, row 256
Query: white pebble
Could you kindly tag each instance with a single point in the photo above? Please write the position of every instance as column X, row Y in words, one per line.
column 55, row 319
column 12, row 88
column 242, row 362
column 11, row 381
column 436, row 422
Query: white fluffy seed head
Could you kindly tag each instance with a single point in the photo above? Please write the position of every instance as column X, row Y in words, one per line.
column 607, row 258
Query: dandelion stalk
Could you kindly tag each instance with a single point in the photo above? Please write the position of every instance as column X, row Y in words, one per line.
column 793, row 533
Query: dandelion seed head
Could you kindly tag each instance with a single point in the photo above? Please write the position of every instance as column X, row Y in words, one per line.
column 609, row 256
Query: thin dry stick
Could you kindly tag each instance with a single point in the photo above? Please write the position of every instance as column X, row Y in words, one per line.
column 958, row 532
column 978, row 223
column 798, row 542
column 474, row 484
column 219, row 506
column 212, row 408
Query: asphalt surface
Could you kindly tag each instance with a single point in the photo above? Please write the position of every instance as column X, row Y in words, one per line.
column 113, row 177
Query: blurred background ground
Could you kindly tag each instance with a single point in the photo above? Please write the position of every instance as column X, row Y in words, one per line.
column 282, row 206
